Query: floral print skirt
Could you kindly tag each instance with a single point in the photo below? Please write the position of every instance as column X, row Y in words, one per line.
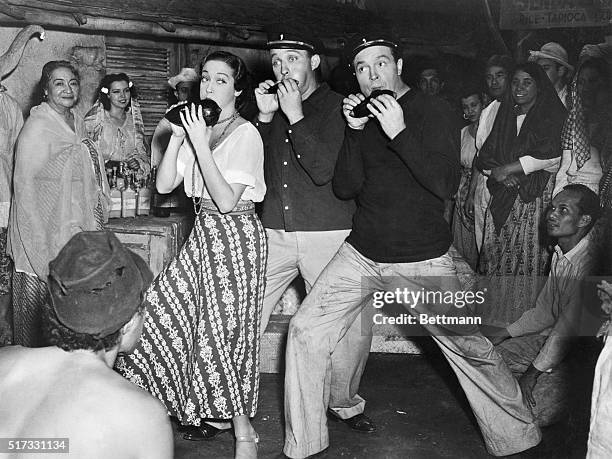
column 199, row 351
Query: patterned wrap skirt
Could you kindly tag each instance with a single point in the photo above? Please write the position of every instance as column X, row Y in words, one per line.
column 514, row 262
column 199, row 351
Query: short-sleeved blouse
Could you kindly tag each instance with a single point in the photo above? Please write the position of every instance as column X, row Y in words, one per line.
column 239, row 158
column 468, row 148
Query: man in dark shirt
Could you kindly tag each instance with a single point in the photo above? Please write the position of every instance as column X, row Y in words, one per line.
column 399, row 164
column 302, row 128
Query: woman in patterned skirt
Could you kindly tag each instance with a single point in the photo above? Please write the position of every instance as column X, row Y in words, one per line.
column 199, row 353
column 520, row 157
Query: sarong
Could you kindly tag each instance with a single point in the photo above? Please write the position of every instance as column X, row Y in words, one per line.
column 513, row 264
column 199, row 351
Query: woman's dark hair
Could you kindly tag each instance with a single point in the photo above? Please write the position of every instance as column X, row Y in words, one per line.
column 241, row 74
column 534, row 70
column 537, row 73
column 106, row 83
column 59, row 335
column 48, row 69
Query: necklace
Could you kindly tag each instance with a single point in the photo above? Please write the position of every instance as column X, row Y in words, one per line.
column 223, row 120
column 197, row 200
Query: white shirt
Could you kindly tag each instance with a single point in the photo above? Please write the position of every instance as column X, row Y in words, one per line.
column 239, row 157
column 468, row 148
column 557, row 310
column 589, row 175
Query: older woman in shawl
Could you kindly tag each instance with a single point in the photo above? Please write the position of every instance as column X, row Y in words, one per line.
column 520, row 157
column 115, row 125
column 58, row 192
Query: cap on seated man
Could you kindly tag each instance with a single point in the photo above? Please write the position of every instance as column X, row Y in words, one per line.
column 552, row 57
column 535, row 345
column 69, row 391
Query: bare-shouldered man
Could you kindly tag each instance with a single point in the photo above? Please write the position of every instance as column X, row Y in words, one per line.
column 69, row 390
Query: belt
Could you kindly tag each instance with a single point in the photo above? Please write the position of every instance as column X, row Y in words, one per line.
column 241, row 208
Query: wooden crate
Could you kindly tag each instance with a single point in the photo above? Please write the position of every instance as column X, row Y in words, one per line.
column 157, row 240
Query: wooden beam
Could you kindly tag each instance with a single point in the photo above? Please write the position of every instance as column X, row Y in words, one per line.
column 132, row 27
column 11, row 11
column 222, row 35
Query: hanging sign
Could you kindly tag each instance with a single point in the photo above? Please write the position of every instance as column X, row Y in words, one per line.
column 544, row 14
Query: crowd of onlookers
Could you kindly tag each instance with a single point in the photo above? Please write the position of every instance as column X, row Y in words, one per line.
column 354, row 204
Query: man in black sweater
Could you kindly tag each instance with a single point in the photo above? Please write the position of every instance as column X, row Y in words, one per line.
column 399, row 164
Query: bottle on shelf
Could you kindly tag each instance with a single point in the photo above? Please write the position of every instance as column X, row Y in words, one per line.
column 143, row 195
column 129, row 195
column 115, row 194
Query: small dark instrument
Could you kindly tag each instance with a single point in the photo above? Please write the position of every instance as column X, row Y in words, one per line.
column 360, row 111
column 210, row 110
column 274, row 88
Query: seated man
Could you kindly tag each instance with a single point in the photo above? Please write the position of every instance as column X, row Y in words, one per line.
column 69, row 391
column 536, row 344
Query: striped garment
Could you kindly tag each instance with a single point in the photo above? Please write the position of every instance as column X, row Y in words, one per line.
column 199, row 352
column 29, row 297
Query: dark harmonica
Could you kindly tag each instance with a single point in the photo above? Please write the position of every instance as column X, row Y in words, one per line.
column 360, row 111
column 210, row 112
column 274, row 88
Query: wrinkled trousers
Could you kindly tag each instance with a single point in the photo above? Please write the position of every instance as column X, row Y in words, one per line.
column 344, row 288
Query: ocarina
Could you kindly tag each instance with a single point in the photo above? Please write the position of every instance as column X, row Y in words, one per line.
column 274, row 88
column 210, row 111
column 359, row 111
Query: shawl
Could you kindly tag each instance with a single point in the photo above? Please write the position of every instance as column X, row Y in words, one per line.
column 539, row 137
column 574, row 135
column 97, row 119
column 55, row 190
column 11, row 121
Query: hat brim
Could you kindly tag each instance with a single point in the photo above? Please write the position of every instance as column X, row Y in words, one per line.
column 176, row 80
column 291, row 44
column 143, row 268
column 123, row 310
column 535, row 55
column 367, row 44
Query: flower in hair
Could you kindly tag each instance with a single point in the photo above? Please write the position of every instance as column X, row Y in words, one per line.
column 104, row 90
column 130, row 84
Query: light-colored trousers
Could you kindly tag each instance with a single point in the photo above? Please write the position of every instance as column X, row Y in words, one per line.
column 553, row 389
column 307, row 253
column 341, row 292
column 600, row 434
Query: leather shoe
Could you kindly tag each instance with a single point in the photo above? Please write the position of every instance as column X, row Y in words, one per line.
column 203, row 432
column 360, row 422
